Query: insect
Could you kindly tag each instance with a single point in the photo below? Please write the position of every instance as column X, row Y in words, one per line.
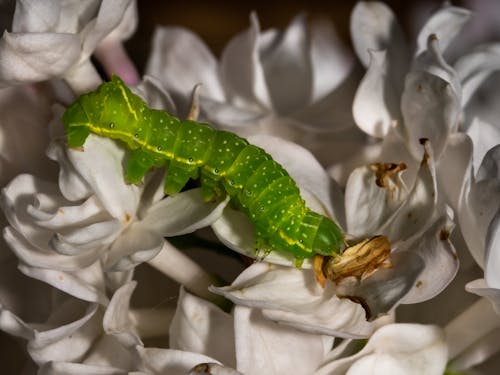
column 224, row 163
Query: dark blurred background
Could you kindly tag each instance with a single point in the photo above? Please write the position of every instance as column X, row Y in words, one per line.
column 216, row 21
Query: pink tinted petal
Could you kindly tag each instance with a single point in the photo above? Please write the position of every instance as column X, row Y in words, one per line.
column 241, row 71
column 200, row 326
column 113, row 57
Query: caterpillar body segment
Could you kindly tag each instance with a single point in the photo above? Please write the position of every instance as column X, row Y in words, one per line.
column 224, row 162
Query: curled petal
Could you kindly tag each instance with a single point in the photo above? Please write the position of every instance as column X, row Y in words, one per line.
column 375, row 107
column 36, row 257
column 446, row 23
column 70, row 282
column 68, row 342
column 201, row 327
column 136, row 244
column 374, row 27
column 101, row 165
column 293, row 297
column 396, row 349
column 484, row 137
column 117, row 321
column 481, row 288
column 260, row 345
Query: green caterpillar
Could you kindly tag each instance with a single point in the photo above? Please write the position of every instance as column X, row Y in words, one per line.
column 224, row 163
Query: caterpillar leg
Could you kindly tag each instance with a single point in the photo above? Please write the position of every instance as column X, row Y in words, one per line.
column 211, row 188
column 177, row 177
column 77, row 135
column 139, row 162
column 262, row 247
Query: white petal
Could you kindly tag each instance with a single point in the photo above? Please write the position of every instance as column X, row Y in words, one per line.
column 68, row 342
column 287, row 59
column 476, row 211
column 33, row 57
column 481, row 288
column 135, row 245
column 396, row 349
column 241, row 71
column 492, row 261
column 454, row 168
column 293, row 297
column 117, row 321
column 446, row 23
column 180, row 60
column 182, row 213
column 109, row 17
column 101, row 165
column 331, row 60
column 484, row 136
column 13, row 325
column 68, row 282
column 265, row 347
column 419, row 207
column 170, row 361
column 440, row 258
column 375, row 106
column 73, row 186
column 201, row 327
column 430, row 107
column 475, row 67
column 151, row 91
column 41, row 258
column 370, row 200
column 374, row 27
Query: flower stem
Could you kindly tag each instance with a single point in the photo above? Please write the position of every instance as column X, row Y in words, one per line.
column 472, row 325
column 182, row 269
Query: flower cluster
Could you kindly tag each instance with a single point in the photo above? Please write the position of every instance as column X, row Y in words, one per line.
column 393, row 140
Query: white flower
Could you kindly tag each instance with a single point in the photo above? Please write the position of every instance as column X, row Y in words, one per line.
column 92, row 217
column 393, row 349
column 376, row 202
column 245, row 340
column 245, row 93
column 55, row 38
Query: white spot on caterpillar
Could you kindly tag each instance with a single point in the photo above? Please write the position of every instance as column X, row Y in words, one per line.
column 111, row 125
